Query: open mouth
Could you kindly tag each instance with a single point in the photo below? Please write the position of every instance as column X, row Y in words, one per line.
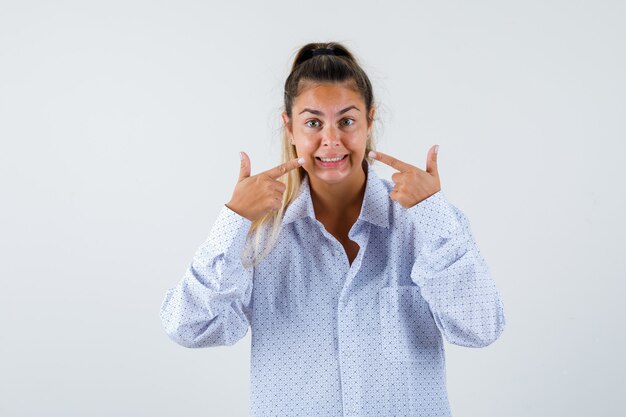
column 331, row 160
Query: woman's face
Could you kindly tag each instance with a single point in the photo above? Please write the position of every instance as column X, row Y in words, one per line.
column 329, row 127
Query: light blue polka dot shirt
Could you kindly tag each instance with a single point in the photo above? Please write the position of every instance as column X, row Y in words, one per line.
column 334, row 339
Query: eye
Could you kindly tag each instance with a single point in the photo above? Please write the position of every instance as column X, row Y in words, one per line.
column 347, row 122
column 313, row 123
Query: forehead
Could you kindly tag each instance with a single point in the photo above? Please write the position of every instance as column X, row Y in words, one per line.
column 328, row 96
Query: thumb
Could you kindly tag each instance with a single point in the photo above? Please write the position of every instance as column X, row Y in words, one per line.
column 244, row 169
column 431, row 161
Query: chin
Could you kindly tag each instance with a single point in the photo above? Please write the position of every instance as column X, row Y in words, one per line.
column 333, row 176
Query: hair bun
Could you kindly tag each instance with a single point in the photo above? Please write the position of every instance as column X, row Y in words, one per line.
column 313, row 50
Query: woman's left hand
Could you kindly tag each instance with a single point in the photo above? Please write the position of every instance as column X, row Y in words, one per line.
column 412, row 184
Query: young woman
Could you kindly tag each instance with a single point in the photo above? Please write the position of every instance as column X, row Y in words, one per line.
column 349, row 282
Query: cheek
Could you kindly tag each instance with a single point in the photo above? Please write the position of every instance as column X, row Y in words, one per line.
column 305, row 145
column 356, row 143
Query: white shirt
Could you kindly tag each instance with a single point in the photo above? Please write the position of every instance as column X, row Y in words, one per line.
column 334, row 339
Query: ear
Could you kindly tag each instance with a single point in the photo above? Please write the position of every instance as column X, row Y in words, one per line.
column 287, row 123
column 370, row 120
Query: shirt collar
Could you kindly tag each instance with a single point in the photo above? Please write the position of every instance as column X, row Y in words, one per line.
column 375, row 208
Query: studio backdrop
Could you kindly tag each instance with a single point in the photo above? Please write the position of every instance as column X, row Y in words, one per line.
column 121, row 124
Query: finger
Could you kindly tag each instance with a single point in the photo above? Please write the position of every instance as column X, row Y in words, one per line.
column 431, row 161
column 277, row 201
column 244, row 168
column 284, row 168
column 274, row 186
column 393, row 195
column 390, row 160
column 279, row 187
column 399, row 198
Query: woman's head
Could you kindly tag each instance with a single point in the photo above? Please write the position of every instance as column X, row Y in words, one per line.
column 329, row 110
column 325, row 78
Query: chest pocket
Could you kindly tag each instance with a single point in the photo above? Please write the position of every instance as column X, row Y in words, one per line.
column 408, row 330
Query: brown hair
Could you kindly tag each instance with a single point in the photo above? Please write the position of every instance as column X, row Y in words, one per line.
column 328, row 62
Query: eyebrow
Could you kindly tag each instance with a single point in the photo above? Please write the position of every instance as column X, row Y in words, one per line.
column 339, row 113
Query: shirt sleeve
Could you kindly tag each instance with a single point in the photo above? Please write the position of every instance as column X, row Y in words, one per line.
column 453, row 276
column 210, row 305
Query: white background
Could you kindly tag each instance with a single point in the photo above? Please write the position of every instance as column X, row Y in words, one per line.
column 120, row 126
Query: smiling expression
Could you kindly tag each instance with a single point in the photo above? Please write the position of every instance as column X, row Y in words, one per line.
column 329, row 129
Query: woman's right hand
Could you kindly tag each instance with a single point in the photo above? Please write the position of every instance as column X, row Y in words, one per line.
column 256, row 195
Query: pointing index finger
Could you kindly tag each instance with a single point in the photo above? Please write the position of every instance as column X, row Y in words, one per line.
column 284, row 168
column 391, row 161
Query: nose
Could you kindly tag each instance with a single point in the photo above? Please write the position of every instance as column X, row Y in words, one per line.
column 330, row 136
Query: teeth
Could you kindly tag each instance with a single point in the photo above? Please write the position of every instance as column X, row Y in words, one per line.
column 339, row 158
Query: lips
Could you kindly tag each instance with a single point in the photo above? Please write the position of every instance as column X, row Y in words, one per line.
column 331, row 162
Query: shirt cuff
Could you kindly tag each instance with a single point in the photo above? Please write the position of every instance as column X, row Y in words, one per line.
column 435, row 217
column 228, row 234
